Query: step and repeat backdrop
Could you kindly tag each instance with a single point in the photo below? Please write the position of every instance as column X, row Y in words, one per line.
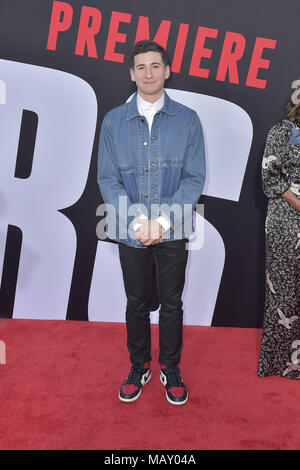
column 63, row 66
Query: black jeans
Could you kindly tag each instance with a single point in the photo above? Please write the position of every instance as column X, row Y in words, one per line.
column 170, row 260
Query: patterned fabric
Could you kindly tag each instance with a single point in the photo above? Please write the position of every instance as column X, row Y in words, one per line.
column 280, row 349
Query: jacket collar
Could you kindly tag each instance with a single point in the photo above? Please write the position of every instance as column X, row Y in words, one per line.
column 133, row 111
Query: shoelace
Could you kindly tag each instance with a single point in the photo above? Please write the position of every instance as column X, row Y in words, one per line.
column 174, row 377
column 134, row 376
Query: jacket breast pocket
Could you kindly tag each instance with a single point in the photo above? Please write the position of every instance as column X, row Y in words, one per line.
column 170, row 171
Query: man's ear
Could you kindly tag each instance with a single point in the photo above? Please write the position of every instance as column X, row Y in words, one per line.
column 167, row 72
column 132, row 74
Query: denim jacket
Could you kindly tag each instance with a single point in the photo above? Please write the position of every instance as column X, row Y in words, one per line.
column 155, row 174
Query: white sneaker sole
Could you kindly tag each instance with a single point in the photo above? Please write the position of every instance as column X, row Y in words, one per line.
column 177, row 402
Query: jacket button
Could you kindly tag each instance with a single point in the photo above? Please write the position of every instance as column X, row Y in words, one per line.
column 145, row 143
column 145, row 195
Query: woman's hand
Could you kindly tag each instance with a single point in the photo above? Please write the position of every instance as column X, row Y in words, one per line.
column 292, row 199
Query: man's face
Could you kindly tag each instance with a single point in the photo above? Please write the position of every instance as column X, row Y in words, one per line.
column 149, row 74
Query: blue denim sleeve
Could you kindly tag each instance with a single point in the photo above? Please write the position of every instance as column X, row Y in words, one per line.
column 193, row 177
column 110, row 183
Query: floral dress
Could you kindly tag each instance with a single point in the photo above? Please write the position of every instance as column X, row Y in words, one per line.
column 280, row 348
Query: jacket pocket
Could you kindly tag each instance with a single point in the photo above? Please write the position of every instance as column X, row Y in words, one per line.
column 170, row 172
column 171, row 163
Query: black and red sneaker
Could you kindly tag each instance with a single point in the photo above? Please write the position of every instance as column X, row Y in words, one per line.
column 176, row 392
column 132, row 387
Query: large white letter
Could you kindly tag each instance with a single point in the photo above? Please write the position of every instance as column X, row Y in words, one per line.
column 66, row 108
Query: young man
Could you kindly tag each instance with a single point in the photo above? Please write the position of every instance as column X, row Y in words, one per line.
column 151, row 170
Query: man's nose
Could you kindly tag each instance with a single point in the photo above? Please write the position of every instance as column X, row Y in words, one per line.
column 148, row 72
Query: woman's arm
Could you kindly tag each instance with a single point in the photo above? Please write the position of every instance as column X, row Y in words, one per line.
column 292, row 199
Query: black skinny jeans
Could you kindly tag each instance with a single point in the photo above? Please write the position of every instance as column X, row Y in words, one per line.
column 170, row 260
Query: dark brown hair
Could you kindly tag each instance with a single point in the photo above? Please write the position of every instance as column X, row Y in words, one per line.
column 292, row 111
column 145, row 46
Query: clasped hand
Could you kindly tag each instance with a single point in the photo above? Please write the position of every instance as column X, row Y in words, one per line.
column 150, row 232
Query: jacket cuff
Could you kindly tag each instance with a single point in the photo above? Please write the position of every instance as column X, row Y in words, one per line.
column 164, row 222
column 136, row 225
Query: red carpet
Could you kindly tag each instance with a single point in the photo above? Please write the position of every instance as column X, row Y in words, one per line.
column 61, row 378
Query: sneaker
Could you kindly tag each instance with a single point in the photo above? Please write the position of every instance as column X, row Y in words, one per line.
column 176, row 392
column 132, row 387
